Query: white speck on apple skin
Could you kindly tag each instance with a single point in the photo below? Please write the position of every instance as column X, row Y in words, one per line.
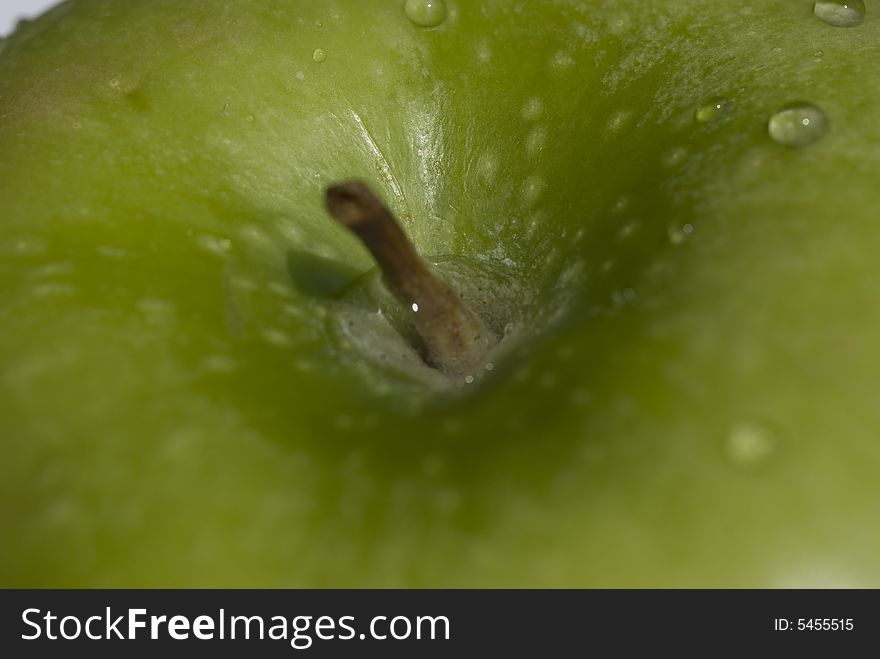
column 750, row 445
column 487, row 168
column 533, row 109
column 675, row 157
column 629, row 230
column 484, row 52
column 24, row 246
column 535, row 141
column 618, row 121
column 561, row 62
column 533, row 190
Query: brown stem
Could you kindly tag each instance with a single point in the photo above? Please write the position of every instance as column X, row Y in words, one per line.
column 455, row 338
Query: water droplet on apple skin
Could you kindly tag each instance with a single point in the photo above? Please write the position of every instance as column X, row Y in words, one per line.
column 678, row 234
column 620, row 205
column 319, row 55
column 840, row 13
column 426, row 13
column 714, row 110
column 629, row 230
column 798, row 124
column 750, row 445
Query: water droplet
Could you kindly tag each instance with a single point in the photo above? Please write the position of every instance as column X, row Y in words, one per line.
column 319, row 55
column 469, row 379
column 299, row 75
column 714, row 110
column 250, row 118
column 620, row 205
column 749, row 445
column 798, row 124
column 629, row 230
column 415, row 307
column 426, row 13
column 678, row 234
column 840, row 13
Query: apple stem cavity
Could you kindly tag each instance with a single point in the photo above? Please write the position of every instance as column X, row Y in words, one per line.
column 455, row 340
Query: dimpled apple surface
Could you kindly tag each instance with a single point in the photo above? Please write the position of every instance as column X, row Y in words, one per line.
column 668, row 211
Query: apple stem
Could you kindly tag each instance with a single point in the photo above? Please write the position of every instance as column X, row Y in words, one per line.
column 455, row 339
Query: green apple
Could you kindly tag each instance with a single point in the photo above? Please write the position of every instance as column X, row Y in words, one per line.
column 204, row 384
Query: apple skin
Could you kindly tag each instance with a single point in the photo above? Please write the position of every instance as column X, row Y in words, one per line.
column 177, row 410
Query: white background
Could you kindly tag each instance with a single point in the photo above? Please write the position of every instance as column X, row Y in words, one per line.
column 12, row 10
